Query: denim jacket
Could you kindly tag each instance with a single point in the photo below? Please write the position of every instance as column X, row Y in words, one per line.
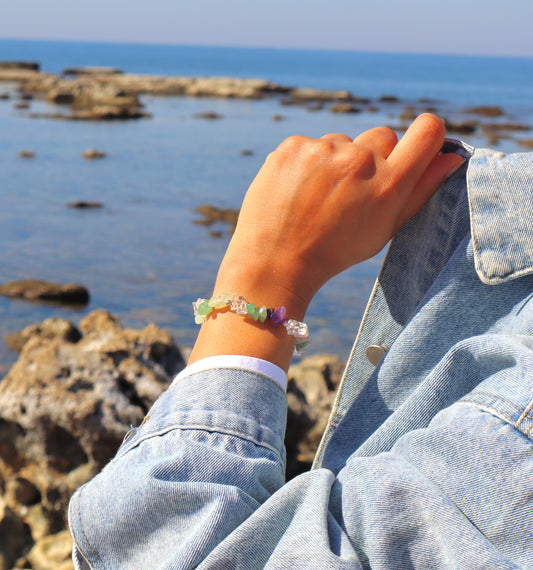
column 427, row 459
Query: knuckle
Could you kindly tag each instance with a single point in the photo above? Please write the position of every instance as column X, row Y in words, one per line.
column 292, row 144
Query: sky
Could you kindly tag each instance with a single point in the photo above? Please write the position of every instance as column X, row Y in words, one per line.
column 484, row 27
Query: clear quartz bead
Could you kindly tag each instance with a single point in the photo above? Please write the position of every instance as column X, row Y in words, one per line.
column 298, row 329
column 239, row 305
column 196, row 304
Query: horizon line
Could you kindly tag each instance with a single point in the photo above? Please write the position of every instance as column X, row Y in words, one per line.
column 263, row 47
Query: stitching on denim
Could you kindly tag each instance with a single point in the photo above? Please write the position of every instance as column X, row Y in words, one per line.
column 492, row 411
column 499, row 414
column 525, row 414
column 209, row 429
column 471, row 397
column 83, row 529
column 335, row 417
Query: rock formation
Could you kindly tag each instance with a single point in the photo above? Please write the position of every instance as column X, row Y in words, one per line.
column 69, row 400
column 37, row 290
column 65, row 406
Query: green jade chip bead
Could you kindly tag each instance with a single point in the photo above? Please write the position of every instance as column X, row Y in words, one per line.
column 263, row 313
column 252, row 311
column 204, row 308
column 301, row 345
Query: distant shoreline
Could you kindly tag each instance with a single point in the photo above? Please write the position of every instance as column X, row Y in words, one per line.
column 97, row 93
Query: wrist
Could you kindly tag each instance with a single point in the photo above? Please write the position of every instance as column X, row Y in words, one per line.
column 263, row 283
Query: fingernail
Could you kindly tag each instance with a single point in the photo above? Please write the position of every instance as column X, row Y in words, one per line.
column 455, row 168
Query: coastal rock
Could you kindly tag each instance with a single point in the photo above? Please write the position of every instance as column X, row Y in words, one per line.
column 24, row 65
column 308, row 94
column 526, row 143
column 35, row 290
column 84, row 205
column 388, row 99
column 52, row 552
column 212, row 214
column 463, row 128
column 92, row 70
column 65, row 407
column 96, row 86
column 51, row 328
column 505, row 127
column 27, row 154
column 92, row 153
column 344, row 108
column 486, row 111
column 209, row 115
column 310, row 394
column 69, row 400
column 14, row 536
column 97, row 113
column 409, row 113
column 84, row 94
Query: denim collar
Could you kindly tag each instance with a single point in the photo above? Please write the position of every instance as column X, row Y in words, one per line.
column 500, row 196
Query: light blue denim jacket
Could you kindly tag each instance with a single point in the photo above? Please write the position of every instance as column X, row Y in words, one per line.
column 427, row 461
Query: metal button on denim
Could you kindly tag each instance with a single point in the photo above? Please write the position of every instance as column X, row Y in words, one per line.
column 375, row 352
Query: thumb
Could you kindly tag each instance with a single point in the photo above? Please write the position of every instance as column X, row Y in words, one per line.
column 440, row 168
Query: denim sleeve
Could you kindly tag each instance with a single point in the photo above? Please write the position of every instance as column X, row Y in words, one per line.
column 207, row 455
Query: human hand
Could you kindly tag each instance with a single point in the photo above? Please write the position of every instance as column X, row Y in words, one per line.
column 319, row 206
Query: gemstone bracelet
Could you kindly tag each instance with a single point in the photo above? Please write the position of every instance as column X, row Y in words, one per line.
column 239, row 305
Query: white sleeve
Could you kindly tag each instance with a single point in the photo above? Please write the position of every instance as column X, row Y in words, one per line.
column 250, row 363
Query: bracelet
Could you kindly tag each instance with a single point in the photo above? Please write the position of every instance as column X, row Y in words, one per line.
column 237, row 304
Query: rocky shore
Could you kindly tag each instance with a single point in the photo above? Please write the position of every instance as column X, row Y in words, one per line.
column 68, row 401
column 105, row 94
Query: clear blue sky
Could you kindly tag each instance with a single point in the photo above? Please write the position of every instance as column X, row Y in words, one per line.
column 468, row 26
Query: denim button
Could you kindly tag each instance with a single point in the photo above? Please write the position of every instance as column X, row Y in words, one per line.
column 375, row 352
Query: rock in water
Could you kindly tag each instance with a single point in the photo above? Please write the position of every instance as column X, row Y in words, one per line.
column 36, row 290
column 27, row 154
column 92, row 153
column 84, row 204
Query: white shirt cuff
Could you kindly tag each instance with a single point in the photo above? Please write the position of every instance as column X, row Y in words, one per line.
column 277, row 374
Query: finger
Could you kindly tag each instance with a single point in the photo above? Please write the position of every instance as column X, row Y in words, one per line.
column 440, row 168
column 418, row 147
column 381, row 140
column 336, row 137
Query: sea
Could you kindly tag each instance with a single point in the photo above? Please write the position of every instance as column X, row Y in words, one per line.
column 142, row 255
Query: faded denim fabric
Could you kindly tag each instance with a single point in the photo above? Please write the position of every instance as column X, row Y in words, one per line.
column 427, row 460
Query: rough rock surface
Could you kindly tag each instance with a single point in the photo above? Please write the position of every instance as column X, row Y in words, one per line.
column 69, row 400
column 311, row 390
column 65, row 406
column 36, row 290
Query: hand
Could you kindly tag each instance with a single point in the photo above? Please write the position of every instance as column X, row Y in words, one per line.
column 317, row 207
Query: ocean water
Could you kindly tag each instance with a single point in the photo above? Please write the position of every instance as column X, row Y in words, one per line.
column 142, row 256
